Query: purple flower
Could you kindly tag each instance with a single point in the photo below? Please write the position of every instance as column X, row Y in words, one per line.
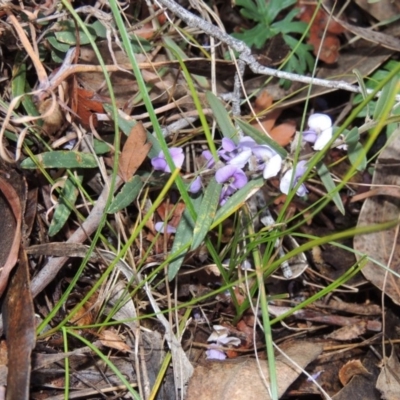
column 195, row 186
column 160, row 227
column 291, row 177
column 214, row 354
column 233, row 174
column 160, row 163
column 234, row 154
column 235, row 178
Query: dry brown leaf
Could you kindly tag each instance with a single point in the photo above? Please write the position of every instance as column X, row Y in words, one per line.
column 350, row 369
column 388, row 41
column 380, row 10
column 388, row 382
column 134, row 152
column 240, row 379
column 11, row 212
column 350, row 332
column 111, row 339
column 19, row 327
column 362, row 386
column 380, row 209
column 282, row 133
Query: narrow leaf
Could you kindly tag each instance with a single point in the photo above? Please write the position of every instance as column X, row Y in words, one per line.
column 206, row 213
column 61, row 159
column 128, row 193
column 387, row 98
column 183, row 237
column 221, row 115
column 63, row 210
column 134, row 152
column 330, row 186
column 354, row 153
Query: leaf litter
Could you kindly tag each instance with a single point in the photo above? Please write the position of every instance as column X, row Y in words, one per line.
column 157, row 259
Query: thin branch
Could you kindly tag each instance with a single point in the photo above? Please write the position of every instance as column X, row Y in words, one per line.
column 245, row 52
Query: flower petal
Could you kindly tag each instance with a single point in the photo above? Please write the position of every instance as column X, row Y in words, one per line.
column 247, row 141
column 263, row 152
column 323, row 139
column 160, row 227
column 272, row 167
column 207, row 155
column 225, row 173
column 228, row 144
column 241, row 159
column 177, row 156
column 159, row 164
column 310, row 136
column 319, row 122
column 195, row 186
column 284, row 185
column 302, row 190
column 240, row 179
column 214, row 354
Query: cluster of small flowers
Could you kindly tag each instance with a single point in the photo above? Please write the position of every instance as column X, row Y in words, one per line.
column 220, row 338
column 259, row 157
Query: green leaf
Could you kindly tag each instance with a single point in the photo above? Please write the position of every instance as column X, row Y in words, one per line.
column 63, row 210
column 206, row 213
column 57, row 57
column 61, row 159
column 389, row 92
column 221, row 115
column 100, row 29
column 100, row 147
column 128, row 193
column 68, row 34
column 330, row 186
column 354, row 153
column 18, row 79
column 62, row 47
column 183, row 237
column 261, row 138
column 351, row 137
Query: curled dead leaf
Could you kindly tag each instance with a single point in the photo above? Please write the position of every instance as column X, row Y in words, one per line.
column 350, row 369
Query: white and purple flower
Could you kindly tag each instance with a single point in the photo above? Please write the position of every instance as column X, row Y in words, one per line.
column 291, row 177
column 320, row 130
column 270, row 161
column 164, row 228
column 221, row 338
